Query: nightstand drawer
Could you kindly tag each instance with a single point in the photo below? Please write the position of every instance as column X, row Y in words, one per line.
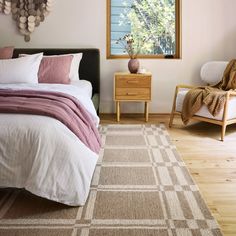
column 140, row 82
column 132, row 94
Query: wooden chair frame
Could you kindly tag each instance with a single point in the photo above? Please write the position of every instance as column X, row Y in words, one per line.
column 223, row 123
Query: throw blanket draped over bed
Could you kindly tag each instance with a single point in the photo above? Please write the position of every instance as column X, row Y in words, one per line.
column 63, row 107
column 213, row 97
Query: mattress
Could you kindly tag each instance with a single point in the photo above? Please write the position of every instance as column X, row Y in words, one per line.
column 204, row 110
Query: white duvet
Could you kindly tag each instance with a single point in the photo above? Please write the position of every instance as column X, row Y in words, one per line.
column 42, row 155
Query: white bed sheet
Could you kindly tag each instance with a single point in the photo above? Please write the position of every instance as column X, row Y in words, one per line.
column 85, row 85
column 81, row 90
column 42, row 155
column 204, row 112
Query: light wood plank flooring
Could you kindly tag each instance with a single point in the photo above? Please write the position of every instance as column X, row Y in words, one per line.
column 212, row 163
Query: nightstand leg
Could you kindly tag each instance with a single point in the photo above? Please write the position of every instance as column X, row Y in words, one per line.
column 146, row 111
column 118, row 111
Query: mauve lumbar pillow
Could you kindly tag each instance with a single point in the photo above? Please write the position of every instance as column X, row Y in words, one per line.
column 55, row 70
column 20, row 70
column 6, row 52
column 74, row 69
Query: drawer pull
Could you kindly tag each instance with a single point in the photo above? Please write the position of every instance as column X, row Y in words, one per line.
column 131, row 94
column 132, row 82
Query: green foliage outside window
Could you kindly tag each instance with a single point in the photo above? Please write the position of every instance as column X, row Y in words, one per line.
column 154, row 20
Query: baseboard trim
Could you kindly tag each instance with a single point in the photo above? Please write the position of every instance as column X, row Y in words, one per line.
column 135, row 114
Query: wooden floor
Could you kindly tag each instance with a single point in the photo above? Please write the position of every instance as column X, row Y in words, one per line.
column 212, row 163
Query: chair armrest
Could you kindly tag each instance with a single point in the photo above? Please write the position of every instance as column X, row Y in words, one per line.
column 185, row 86
column 232, row 93
column 177, row 88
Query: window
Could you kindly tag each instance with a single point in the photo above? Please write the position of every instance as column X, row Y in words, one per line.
column 153, row 24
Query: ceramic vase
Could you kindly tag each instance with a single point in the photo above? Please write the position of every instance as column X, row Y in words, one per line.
column 133, row 65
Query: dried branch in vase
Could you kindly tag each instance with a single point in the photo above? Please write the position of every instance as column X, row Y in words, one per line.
column 130, row 46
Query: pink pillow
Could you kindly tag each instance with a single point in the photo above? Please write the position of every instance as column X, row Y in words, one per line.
column 55, row 70
column 6, row 53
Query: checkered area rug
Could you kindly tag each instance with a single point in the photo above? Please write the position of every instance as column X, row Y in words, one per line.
column 140, row 187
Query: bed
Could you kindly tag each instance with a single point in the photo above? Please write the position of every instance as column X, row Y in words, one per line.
column 89, row 69
column 40, row 153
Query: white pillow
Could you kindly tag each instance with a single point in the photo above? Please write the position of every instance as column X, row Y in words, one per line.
column 74, row 68
column 20, row 70
column 212, row 71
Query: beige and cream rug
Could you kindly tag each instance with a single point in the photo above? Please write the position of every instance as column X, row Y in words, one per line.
column 141, row 187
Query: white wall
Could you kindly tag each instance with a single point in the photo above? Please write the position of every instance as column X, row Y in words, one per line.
column 208, row 33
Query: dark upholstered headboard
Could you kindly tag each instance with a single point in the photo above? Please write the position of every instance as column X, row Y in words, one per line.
column 89, row 65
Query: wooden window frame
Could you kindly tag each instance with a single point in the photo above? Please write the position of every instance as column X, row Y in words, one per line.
column 178, row 36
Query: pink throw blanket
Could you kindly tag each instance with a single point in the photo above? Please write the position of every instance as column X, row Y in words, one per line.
column 63, row 107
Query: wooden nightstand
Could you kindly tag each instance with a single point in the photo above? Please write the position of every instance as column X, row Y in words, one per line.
column 132, row 87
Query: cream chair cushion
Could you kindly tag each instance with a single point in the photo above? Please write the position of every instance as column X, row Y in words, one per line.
column 203, row 112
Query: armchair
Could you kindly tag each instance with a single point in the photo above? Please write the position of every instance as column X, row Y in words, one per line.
column 211, row 73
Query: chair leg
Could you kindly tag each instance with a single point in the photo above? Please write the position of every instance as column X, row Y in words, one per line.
column 225, row 123
column 173, row 107
column 223, row 132
column 172, row 116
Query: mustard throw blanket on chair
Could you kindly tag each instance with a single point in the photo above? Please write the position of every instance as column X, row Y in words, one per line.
column 213, row 97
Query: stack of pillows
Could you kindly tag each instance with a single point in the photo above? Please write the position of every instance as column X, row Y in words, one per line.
column 36, row 68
